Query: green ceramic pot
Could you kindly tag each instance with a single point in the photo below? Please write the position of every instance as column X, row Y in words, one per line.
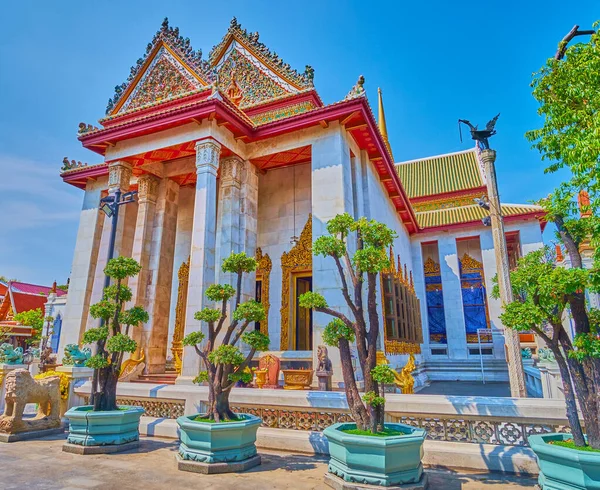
column 562, row 468
column 89, row 428
column 384, row 461
column 218, row 442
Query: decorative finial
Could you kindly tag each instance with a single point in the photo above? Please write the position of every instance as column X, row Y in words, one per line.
column 381, row 122
column 53, row 290
column 234, row 24
column 559, row 254
column 481, row 136
column 165, row 24
column 358, row 90
column 583, row 202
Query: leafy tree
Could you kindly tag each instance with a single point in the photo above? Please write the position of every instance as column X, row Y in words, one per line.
column 224, row 363
column 33, row 319
column 569, row 102
column 372, row 242
column 111, row 339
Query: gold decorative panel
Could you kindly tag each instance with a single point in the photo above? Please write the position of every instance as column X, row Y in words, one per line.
column 177, row 345
column 299, row 258
column 263, row 273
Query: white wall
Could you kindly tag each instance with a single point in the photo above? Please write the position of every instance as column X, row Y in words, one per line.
column 276, row 226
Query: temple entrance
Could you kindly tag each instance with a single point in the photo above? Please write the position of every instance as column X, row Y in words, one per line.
column 302, row 317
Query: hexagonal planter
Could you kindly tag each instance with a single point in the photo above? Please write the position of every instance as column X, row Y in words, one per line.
column 215, row 443
column 106, row 431
column 563, row 468
column 373, row 460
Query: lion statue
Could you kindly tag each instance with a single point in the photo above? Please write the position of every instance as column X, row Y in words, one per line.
column 324, row 361
column 22, row 389
column 10, row 354
column 75, row 356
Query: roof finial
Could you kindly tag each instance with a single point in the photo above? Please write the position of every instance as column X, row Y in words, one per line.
column 358, row 90
column 381, row 122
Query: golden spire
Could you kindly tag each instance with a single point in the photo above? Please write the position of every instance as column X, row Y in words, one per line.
column 381, row 122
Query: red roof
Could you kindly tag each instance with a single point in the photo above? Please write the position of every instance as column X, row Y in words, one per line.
column 24, row 302
column 23, row 287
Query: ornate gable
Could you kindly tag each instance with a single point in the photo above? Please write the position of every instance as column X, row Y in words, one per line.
column 163, row 79
column 249, row 74
column 169, row 68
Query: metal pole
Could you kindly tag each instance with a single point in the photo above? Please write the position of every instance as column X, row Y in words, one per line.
column 113, row 232
column 480, row 355
column 511, row 337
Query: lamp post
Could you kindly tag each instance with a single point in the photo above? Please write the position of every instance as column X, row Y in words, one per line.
column 492, row 204
column 511, row 337
column 110, row 206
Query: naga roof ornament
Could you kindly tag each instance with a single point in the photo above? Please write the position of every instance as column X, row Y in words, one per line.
column 358, row 90
column 72, row 164
column 303, row 80
column 180, row 45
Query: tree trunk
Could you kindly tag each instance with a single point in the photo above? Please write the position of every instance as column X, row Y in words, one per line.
column 220, row 410
column 355, row 404
column 572, row 412
column 106, row 397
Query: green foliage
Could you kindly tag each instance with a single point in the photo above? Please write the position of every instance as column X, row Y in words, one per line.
column 383, row 373
column 219, row 292
column 134, row 316
column 121, row 343
column 251, row 311
column 226, row 354
column 201, row 378
column 245, row 376
column 312, row 300
column 341, row 225
column 328, row 245
column 375, row 234
column 335, row 330
column 123, row 291
column 570, row 136
column 122, row 267
column 256, row 340
column 208, row 315
column 586, row 345
column 93, row 335
column 371, row 259
column 97, row 362
column 104, row 309
column 373, row 399
column 238, row 263
column 31, row 318
column 193, row 338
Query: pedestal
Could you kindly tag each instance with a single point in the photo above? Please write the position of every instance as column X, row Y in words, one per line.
column 4, row 370
column 77, row 376
column 324, row 378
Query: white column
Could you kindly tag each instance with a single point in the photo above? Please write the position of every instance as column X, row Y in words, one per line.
column 228, row 216
column 453, row 304
column 331, row 195
column 202, row 258
column 488, row 256
column 249, row 223
column 160, row 274
column 82, row 270
column 421, row 291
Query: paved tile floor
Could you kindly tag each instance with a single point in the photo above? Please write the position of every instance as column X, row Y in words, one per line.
column 42, row 465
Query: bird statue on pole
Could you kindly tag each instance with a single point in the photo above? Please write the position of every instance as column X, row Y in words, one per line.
column 480, row 135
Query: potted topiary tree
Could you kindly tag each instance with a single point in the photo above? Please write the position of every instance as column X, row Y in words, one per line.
column 219, row 440
column 544, row 291
column 367, row 450
column 103, row 426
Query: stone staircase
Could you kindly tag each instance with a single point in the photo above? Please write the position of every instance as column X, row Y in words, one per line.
column 465, row 370
column 166, row 378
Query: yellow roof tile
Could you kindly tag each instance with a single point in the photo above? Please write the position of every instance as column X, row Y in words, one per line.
column 466, row 214
column 441, row 174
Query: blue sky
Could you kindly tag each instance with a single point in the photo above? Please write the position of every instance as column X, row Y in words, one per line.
column 435, row 61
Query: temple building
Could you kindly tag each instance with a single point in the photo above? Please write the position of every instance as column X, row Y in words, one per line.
column 18, row 297
column 237, row 152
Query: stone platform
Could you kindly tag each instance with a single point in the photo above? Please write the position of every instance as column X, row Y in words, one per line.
column 338, row 483
column 107, row 449
column 33, row 434
column 217, row 468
